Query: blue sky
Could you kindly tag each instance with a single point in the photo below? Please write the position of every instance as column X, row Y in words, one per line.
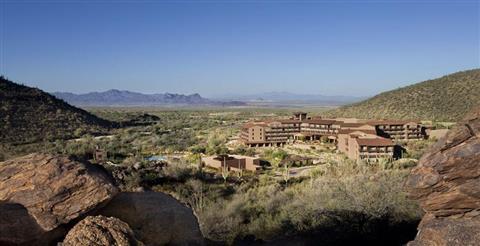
column 222, row 47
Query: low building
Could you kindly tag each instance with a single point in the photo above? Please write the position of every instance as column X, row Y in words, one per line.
column 99, row 155
column 233, row 162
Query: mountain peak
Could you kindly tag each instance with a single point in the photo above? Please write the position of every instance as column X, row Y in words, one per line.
column 116, row 97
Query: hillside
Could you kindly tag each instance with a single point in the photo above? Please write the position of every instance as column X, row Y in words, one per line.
column 30, row 115
column 447, row 98
column 128, row 98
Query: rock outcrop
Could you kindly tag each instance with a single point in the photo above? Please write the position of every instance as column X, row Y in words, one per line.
column 101, row 230
column 43, row 196
column 447, row 231
column 54, row 190
column 156, row 218
column 447, row 184
column 17, row 227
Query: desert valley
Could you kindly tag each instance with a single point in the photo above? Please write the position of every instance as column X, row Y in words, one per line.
column 298, row 181
column 239, row 122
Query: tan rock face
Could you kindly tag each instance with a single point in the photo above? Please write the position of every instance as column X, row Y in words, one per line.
column 447, row 184
column 53, row 189
column 447, row 178
column 156, row 218
column 448, row 231
column 101, row 230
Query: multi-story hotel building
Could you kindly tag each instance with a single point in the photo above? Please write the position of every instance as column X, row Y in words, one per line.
column 399, row 130
column 359, row 139
column 269, row 133
column 365, row 145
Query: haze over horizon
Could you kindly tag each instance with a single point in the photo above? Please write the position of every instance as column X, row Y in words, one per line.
column 215, row 48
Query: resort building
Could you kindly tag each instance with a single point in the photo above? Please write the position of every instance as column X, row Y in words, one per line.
column 315, row 129
column 359, row 139
column 235, row 163
column 399, row 130
column 365, row 145
column 269, row 133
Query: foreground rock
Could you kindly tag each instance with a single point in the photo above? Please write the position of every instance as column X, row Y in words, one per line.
column 156, row 218
column 448, row 231
column 17, row 227
column 54, row 190
column 447, row 184
column 101, row 230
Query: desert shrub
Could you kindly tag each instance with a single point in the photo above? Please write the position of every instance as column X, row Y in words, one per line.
column 343, row 194
column 415, row 149
column 178, row 170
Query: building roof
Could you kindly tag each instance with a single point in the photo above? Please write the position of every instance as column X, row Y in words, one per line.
column 288, row 121
column 348, row 131
column 391, row 122
column 229, row 157
column 319, row 121
column 352, row 125
column 254, row 123
column 377, row 142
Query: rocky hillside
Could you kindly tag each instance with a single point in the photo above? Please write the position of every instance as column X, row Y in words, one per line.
column 128, row 98
column 47, row 199
column 447, row 184
column 447, row 98
column 30, row 115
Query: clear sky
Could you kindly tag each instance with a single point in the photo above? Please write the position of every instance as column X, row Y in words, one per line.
column 242, row 47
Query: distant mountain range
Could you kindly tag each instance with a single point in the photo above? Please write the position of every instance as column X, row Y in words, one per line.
column 286, row 97
column 128, row 98
column 447, row 98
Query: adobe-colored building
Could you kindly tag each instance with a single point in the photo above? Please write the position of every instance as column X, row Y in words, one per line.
column 99, row 155
column 399, row 130
column 365, row 145
column 314, row 129
column 348, row 133
column 269, row 133
column 235, row 163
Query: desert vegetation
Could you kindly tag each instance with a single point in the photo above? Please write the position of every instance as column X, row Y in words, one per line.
column 447, row 98
column 346, row 200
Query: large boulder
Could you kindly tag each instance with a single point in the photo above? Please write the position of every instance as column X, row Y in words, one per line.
column 17, row 227
column 447, row 184
column 101, row 230
column 447, row 178
column 54, row 190
column 447, row 231
column 156, row 218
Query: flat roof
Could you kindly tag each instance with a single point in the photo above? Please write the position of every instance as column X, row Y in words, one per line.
column 391, row 122
column 343, row 124
column 254, row 123
column 348, row 131
column 375, row 142
column 319, row 121
column 289, row 121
